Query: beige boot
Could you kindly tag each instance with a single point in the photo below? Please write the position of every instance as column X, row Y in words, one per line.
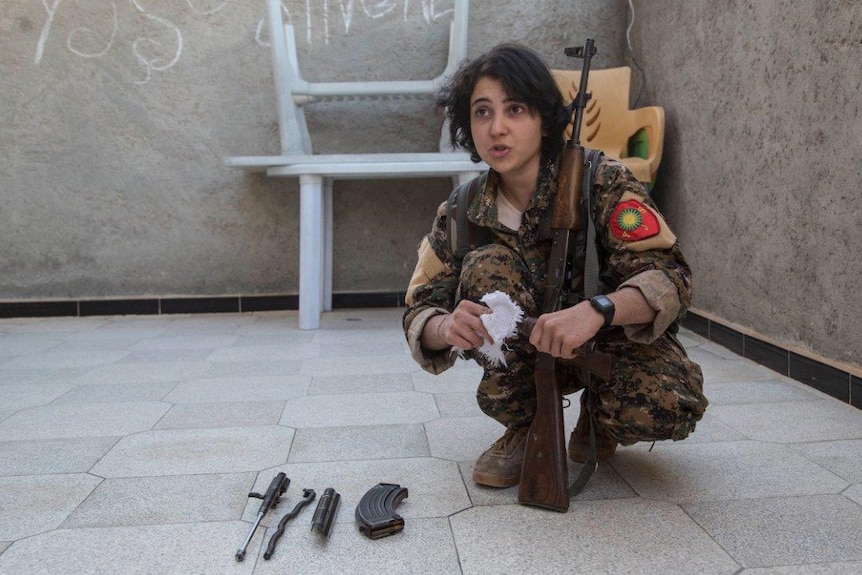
column 579, row 442
column 500, row 466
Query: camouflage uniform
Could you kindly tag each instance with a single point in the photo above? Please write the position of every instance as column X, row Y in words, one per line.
column 655, row 392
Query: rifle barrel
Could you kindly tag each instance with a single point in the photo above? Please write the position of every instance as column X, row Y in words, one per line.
column 580, row 102
column 240, row 554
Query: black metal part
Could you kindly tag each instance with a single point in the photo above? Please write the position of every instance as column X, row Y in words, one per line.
column 579, row 51
column 586, row 52
column 308, row 496
column 324, row 514
column 375, row 514
column 276, row 489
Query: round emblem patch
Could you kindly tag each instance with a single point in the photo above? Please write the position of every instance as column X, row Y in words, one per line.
column 629, row 220
column 633, row 221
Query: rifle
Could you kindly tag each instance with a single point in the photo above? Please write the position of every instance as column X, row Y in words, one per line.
column 544, row 474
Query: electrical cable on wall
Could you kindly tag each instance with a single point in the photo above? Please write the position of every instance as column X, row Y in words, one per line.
column 631, row 55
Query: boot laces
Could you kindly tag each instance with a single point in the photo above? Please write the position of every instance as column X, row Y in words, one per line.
column 510, row 440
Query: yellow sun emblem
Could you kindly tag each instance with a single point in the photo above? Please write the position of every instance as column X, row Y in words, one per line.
column 629, row 219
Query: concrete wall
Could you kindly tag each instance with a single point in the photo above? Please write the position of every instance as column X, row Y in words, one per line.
column 115, row 116
column 761, row 170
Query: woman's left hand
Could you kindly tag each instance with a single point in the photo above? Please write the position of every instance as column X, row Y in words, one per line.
column 562, row 332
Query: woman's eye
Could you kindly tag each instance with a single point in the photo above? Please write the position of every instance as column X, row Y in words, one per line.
column 481, row 112
column 518, row 108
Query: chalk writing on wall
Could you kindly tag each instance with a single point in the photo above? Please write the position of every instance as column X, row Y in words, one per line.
column 343, row 13
column 80, row 41
column 158, row 54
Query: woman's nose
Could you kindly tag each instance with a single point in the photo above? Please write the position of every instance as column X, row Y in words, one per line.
column 498, row 124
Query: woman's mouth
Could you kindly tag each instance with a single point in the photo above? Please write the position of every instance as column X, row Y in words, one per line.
column 499, row 151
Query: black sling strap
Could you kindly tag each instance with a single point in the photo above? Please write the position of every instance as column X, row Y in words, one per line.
column 591, row 288
column 463, row 235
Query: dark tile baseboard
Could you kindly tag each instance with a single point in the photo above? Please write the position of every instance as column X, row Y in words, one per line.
column 38, row 309
column 833, row 381
column 183, row 305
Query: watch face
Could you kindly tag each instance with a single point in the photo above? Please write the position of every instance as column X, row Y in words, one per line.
column 605, row 306
column 603, row 302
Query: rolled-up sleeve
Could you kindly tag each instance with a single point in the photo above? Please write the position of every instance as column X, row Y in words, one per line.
column 431, row 361
column 662, row 296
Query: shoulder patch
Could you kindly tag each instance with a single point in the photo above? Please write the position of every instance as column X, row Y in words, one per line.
column 633, row 221
column 636, row 226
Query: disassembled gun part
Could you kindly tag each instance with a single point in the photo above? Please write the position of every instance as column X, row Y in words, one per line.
column 325, row 512
column 375, row 514
column 308, row 496
column 276, row 489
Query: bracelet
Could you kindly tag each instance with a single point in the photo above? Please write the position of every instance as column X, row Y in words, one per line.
column 437, row 331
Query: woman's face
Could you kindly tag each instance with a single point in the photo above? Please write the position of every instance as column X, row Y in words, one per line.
column 506, row 133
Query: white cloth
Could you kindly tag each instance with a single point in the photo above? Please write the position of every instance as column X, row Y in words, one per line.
column 501, row 323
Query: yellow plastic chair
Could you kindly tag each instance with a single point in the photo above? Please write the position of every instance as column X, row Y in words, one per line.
column 635, row 137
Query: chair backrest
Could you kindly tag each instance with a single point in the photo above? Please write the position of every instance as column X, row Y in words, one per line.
column 609, row 124
column 304, row 91
column 293, row 92
column 601, row 128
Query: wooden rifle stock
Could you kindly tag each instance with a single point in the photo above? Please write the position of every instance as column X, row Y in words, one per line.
column 544, row 472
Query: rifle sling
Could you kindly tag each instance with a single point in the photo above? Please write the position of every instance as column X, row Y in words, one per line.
column 590, row 464
column 591, row 288
column 591, row 261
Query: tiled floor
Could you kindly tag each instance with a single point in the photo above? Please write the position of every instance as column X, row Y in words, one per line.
column 129, row 445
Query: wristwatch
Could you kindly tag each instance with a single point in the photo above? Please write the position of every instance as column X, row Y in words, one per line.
column 603, row 305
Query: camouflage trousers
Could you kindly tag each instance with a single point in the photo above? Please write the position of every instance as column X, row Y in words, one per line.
column 655, row 391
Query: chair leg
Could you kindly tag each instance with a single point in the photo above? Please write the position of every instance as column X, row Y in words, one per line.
column 311, row 226
column 327, row 244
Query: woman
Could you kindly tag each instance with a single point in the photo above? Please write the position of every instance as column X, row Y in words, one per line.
column 505, row 109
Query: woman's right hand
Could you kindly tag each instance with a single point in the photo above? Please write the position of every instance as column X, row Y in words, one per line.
column 463, row 328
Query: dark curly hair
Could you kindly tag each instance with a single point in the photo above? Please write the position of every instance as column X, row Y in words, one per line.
column 525, row 77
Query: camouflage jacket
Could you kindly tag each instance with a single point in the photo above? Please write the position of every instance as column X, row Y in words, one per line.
column 635, row 248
